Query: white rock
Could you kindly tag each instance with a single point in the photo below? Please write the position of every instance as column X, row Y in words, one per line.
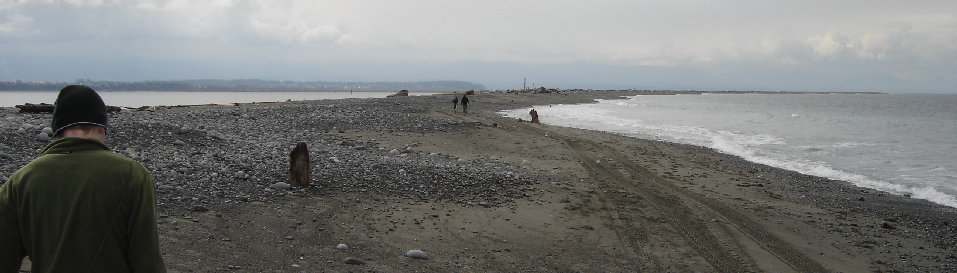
column 48, row 130
column 342, row 247
column 43, row 137
column 416, row 254
column 334, row 159
column 280, row 185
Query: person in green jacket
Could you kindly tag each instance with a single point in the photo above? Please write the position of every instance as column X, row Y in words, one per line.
column 79, row 207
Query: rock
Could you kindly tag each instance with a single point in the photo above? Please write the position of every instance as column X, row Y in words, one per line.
column 43, row 137
column 48, row 130
column 347, row 143
column 342, row 247
column 334, row 159
column 179, row 142
column 280, row 185
column 354, row 261
column 199, row 209
column 887, row 225
column 416, row 254
column 299, row 165
column 215, row 134
column 394, row 151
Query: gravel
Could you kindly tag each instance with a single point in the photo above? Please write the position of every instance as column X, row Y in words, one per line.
column 204, row 155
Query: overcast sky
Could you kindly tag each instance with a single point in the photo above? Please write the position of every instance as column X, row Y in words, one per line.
column 833, row 45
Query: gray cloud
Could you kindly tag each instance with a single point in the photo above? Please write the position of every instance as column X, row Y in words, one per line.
column 778, row 45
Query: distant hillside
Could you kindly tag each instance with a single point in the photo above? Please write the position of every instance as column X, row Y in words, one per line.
column 247, row 85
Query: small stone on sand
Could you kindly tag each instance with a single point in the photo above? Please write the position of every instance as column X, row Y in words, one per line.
column 416, row 254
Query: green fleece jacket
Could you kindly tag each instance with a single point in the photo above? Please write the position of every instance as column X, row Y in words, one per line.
column 80, row 208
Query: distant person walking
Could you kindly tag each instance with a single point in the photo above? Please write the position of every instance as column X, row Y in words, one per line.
column 465, row 104
column 79, row 207
column 455, row 101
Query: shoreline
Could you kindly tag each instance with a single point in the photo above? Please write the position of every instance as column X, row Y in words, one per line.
column 480, row 192
column 857, row 178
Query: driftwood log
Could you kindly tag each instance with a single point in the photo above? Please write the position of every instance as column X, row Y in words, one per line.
column 48, row 108
column 299, row 166
column 403, row 93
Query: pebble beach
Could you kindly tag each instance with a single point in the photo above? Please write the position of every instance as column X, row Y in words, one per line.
column 408, row 184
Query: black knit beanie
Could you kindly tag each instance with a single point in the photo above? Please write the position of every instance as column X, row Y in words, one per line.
column 77, row 104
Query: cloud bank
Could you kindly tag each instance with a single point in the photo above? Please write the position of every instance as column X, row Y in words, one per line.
column 776, row 45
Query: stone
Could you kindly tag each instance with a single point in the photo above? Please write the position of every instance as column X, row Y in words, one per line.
column 280, row 185
column 199, row 209
column 48, row 130
column 342, row 247
column 43, row 137
column 353, row 261
column 416, row 254
column 299, row 166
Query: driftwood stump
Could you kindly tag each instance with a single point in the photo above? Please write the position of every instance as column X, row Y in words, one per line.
column 299, row 166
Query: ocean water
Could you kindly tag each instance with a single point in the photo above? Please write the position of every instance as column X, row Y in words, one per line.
column 152, row 98
column 899, row 143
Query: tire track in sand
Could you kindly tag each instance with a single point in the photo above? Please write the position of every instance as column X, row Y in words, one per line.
column 675, row 205
column 714, row 243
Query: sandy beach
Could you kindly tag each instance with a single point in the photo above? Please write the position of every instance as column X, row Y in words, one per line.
column 480, row 193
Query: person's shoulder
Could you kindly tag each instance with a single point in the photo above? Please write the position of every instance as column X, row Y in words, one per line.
column 113, row 159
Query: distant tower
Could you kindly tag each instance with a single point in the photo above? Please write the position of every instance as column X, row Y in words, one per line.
column 524, row 86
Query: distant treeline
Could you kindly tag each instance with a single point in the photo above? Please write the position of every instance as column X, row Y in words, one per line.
column 245, row 85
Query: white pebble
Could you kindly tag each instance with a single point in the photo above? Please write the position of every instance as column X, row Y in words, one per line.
column 280, row 185
column 416, row 254
column 342, row 247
